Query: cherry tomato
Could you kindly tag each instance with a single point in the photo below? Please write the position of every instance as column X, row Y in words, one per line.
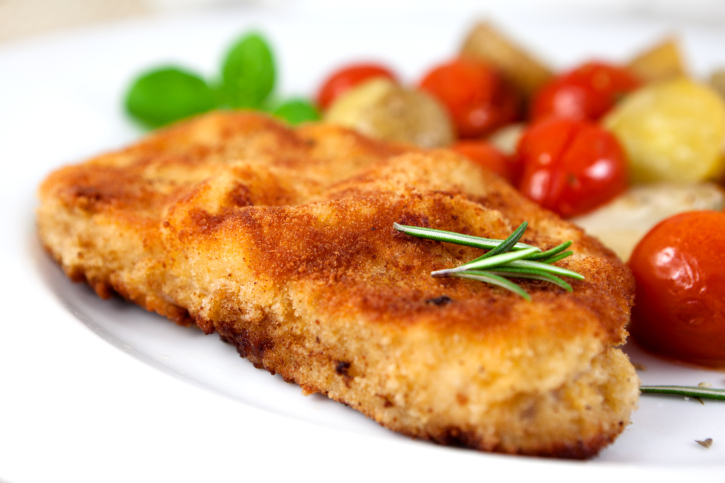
column 475, row 95
column 679, row 308
column 349, row 76
column 570, row 167
column 586, row 92
column 486, row 155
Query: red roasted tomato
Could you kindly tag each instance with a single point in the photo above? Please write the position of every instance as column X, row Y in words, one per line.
column 487, row 156
column 679, row 309
column 570, row 167
column 476, row 96
column 587, row 92
column 349, row 76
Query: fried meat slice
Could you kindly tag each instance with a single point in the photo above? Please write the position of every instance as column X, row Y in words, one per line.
column 281, row 241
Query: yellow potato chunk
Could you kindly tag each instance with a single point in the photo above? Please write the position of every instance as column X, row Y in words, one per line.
column 671, row 131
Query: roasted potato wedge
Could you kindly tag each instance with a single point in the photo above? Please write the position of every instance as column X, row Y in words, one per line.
column 660, row 62
column 717, row 81
column 385, row 110
column 517, row 65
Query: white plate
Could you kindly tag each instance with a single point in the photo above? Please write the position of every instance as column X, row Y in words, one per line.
column 73, row 408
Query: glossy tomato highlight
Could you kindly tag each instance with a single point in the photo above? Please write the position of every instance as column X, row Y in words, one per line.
column 347, row 77
column 570, row 167
column 475, row 95
column 587, row 92
column 679, row 308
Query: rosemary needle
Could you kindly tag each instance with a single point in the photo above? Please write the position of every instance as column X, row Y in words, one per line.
column 493, row 279
column 688, row 391
column 452, row 237
column 550, row 253
column 558, row 257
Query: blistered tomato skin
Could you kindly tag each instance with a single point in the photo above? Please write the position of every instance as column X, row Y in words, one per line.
column 570, row 167
column 679, row 307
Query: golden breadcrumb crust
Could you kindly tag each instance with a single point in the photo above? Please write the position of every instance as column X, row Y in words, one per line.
column 282, row 242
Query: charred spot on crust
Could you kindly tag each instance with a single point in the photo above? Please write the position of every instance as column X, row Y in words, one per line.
column 240, row 196
column 387, row 403
column 341, row 368
column 249, row 345
column 442, row 300
column 456, row 437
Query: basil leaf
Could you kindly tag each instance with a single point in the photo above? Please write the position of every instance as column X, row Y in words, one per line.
column 167, row 94
column 248, row 72
column 297, row 111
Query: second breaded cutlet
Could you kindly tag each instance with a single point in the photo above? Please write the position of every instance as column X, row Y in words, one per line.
column 282, row 242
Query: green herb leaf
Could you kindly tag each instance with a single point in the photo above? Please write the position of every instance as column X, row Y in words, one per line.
column 297, row 111
column 688, row 391
column 167, row 94
column 248, row 72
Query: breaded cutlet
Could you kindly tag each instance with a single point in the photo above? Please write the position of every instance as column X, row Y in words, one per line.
column 282, row 242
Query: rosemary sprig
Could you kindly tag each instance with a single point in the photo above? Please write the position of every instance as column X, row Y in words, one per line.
column 688, row 391
column 505, row 259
